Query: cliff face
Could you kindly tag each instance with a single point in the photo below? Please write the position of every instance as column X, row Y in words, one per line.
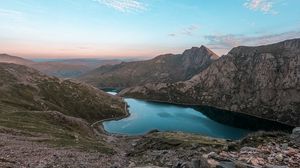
column 262, row 81
column 164, row 68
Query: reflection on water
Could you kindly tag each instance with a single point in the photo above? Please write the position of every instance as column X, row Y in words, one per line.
column 147, row 116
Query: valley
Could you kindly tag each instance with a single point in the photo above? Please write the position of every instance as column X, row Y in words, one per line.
column 149, row 84
column 197, row 119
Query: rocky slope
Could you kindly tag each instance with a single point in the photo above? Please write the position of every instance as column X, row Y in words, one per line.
column 164, row 68
column 61, row 68
column 174, row 150
column 23, row 88
column 61, row 111
column 262, row 81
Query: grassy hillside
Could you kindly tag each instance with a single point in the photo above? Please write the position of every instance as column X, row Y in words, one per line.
column 61, row 110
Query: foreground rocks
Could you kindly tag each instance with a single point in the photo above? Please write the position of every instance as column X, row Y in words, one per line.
column 279, row 152
column 29, row 152
column 175, row 150
column 269, row 150
column 296, row 136
column 266, row 155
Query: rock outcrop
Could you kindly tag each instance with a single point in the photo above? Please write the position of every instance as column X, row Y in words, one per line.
column 262, row 81
column 295, row 137
column 163, row 68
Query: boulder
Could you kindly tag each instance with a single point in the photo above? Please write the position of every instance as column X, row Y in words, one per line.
column 295, row 136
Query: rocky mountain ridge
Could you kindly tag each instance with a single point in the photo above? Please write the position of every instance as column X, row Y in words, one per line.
column 262, row 81
column 163, row 68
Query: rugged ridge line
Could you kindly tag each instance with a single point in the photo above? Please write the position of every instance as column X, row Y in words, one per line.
column 262, row 81
column 163, row 68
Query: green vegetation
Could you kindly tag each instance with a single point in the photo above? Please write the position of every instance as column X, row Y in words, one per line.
column 169, row 140
column 55, row 128
column 59, row 111
column 78, row 100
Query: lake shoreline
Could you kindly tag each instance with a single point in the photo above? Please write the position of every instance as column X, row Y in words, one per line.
column 185, row 119
column 205, row 106
column 233, row 118
column 98, row 125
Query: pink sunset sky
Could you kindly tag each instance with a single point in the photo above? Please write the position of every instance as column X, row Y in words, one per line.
column 141, row 28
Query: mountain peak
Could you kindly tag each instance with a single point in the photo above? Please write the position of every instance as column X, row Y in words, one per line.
column 200, row 51
column 204, row 47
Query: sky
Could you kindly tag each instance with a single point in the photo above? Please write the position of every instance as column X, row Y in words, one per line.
column 141, row 28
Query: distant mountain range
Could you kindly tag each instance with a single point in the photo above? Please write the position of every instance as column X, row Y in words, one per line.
column 13, row 59
column 68, row 68
column 163, row 68
column 262, row 81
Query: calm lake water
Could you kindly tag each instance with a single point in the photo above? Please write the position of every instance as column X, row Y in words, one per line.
column 146, row 116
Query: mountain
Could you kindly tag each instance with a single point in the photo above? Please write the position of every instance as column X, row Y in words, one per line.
column 68, row 68
column 54, row 111
column 23, row 88
column 89, row 62
column 14, row 59
column 46, row 122
column 163, row 68
column 71, row 68
column 262, row 81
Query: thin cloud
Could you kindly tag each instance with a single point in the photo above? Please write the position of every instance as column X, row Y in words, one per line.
column 265, row 6
column 187, row 31
column 11, row 16
column 124, row 5
column 224, row 43
column 172, row 34
column 10, row 13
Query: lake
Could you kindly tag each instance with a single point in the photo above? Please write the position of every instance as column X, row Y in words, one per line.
column 146, row 116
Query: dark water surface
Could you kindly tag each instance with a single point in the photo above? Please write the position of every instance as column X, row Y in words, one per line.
column 146, row 116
